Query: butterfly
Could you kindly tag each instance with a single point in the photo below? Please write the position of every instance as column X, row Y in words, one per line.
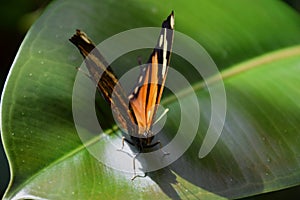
column 134, row 112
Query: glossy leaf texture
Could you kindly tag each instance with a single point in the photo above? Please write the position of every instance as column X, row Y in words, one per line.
column 251, row 43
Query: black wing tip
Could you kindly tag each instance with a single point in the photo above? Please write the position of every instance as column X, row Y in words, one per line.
column 82, row 42
column 77, row 36
column 169, row 22
column 81, row 39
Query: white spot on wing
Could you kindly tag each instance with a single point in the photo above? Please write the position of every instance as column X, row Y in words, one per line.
column 136, row 90
column 172, row 22
column 140, row 79
column 161, row 38
column 86, row 40
column 163, row 72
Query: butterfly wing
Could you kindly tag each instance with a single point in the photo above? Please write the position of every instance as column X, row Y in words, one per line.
column 137, row 117
column 101, row 73
column 148, row 91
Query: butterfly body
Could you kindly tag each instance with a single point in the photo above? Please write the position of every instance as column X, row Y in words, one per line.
column 134, row 112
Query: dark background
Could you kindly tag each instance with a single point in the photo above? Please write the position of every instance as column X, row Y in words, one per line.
column 16, row 17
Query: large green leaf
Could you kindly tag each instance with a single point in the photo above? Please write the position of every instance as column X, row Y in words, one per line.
column 258, row 150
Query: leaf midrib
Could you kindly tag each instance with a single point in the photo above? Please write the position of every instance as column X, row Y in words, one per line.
column 237, row 69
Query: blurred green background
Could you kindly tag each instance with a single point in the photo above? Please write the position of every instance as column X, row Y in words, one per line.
column 16, row 18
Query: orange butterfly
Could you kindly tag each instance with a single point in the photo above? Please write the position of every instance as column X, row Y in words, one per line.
column 137, row 116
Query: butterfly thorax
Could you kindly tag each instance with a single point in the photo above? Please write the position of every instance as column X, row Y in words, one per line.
column 142, row 143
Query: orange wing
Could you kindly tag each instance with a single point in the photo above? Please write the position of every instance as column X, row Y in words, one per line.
column 147, row 94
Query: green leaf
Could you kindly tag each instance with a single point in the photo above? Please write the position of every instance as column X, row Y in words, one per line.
column 259, row 147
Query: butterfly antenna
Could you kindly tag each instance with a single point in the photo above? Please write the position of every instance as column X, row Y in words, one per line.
column 161, row 116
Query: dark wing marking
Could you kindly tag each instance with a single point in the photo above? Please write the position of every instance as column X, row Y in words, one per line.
column 102, row 74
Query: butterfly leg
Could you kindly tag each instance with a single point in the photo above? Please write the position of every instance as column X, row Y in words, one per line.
column 135, row 176
column 164, row 152
column 123, row 142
